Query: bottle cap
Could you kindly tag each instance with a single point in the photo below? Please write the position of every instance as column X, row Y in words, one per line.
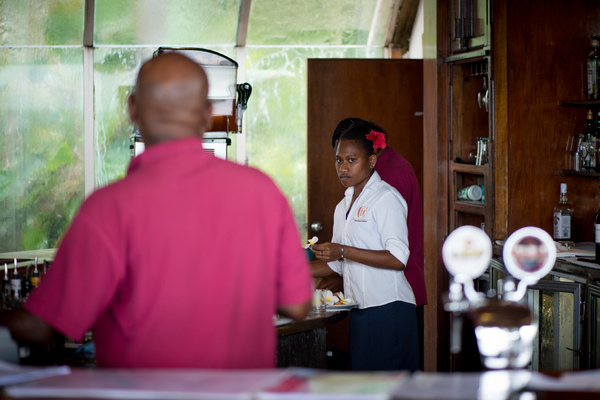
column 563, row 188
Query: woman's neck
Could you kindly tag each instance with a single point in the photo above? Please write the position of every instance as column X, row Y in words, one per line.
column 360, row 186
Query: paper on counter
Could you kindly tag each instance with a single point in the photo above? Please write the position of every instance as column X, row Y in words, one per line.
column 11, row 374
column 313, row 384
column 149, row 384
column 581, row 249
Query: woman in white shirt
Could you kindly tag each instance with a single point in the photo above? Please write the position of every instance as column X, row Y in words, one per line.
column 369, row 249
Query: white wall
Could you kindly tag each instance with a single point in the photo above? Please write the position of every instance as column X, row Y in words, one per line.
column 415, row 46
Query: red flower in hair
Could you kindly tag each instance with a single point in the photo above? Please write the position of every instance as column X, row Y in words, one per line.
column 378, row 139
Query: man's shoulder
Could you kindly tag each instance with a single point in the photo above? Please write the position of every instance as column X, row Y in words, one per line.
column 242, row 173
column 396, row 161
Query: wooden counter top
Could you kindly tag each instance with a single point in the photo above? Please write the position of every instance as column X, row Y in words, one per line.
column 312, row 321
column 586, row 272
column 294, row 383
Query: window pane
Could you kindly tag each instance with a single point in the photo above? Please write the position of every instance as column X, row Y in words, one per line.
column 317, row 22
column 41, row 146
column 276, row 116
column 115, row 71
column 173, row 22
column 38, row 23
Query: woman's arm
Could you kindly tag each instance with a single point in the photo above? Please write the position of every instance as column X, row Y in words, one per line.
column 27, row 327
column 383, row 259
column 320, row 269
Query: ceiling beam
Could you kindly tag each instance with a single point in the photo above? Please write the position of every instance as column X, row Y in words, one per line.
column 405, row 20
column 242, row 32
column 88, row 23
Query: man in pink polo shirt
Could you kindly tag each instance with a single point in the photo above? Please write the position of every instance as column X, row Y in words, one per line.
column 184, row 262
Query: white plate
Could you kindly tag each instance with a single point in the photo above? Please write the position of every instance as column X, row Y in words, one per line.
column 281, row 320
column 341, row 307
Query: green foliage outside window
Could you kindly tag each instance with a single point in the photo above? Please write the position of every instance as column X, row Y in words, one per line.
column 42, row 83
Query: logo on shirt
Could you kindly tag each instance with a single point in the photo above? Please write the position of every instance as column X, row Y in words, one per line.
column 360, row 214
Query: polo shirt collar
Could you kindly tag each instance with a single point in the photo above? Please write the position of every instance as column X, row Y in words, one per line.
column 168, row 151
column 371, row 183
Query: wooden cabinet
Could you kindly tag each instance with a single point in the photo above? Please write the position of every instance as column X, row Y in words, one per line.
column 588, row 105
column 470, row 212
column 470, row 22
column 535, row 55
column 566, row 305
column 469, row 122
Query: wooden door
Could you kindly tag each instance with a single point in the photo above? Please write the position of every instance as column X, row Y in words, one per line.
column 388, row 92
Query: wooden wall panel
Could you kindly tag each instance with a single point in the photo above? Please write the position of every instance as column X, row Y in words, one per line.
column 546, row 50
column 435, row 186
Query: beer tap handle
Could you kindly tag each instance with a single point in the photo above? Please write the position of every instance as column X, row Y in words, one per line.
column 243, row 91
column 456, row 334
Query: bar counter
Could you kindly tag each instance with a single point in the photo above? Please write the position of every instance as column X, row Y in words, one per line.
column 303, row 343
column 293, row 383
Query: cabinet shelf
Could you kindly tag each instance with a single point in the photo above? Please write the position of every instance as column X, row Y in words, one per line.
column 467, row 212
column 469, row 168
column 572, row 172
column 470, row 207
column 581, row 103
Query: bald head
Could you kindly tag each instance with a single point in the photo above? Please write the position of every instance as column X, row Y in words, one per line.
column 170, row 100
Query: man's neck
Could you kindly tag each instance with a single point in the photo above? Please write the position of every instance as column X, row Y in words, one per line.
column 381, row 151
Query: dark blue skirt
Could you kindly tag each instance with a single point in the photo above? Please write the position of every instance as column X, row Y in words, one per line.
column 384, row 338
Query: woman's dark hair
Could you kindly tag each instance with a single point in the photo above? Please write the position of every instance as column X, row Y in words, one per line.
column 342, row 126
column 358, row 131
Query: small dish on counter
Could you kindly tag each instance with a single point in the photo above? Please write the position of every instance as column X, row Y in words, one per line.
column 341, row 307
column 278, row 320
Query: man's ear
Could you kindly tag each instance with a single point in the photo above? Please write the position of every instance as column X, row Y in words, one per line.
column 132, row 108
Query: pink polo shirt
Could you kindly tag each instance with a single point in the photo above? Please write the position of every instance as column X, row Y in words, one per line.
column 181, row 264
column 395, row 170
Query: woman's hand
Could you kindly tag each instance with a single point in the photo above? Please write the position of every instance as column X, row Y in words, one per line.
column 327, row 251
column 332, row 282
column 374, row 258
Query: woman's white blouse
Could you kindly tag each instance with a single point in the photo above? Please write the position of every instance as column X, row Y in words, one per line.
column 377, row 221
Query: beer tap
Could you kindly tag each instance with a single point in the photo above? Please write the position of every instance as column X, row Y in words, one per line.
column 35, row 276
column 467, row 253
column 243, row 91
column 6, row 293
column 504, row 327
column 15, row 285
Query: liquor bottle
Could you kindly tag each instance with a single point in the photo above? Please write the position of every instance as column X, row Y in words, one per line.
column 6, row 293
column 589, row 142
column 15, row 286
column 593, row 68
column 597, row 134
column 563, row 218
column 597, row 235
column 34, row 280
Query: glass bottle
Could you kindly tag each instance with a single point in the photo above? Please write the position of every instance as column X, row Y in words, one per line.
column 563, row 218
column 589, row 141
column 597, row 135
column 6, row 290
column 597, row 235
column 15, row 286
column 593, row 67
